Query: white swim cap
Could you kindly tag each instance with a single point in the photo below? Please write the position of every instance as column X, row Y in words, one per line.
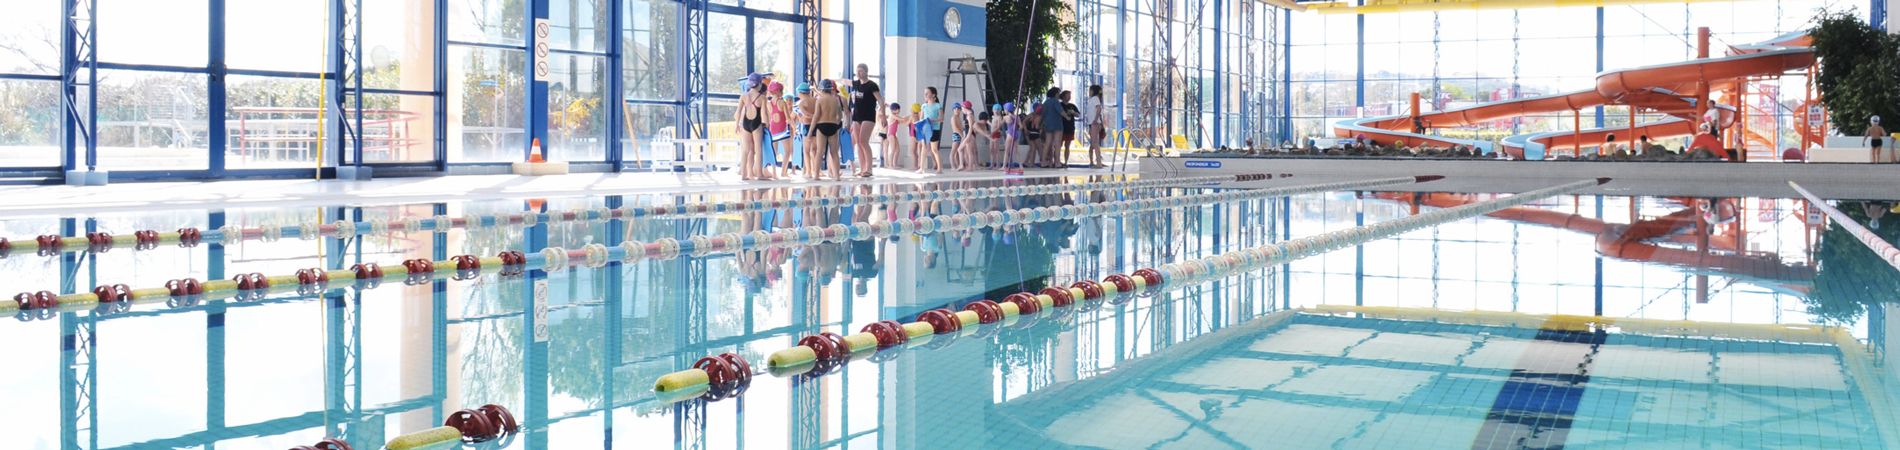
column 1876, row 119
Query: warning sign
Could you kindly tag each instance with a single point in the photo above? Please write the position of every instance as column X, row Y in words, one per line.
column 541, row 34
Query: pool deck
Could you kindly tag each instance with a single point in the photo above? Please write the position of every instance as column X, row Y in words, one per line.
column 1834, row 181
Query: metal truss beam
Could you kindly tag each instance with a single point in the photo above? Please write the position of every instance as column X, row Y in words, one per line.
column 79, row 75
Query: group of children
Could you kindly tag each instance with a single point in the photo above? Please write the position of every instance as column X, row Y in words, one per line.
column 829, row 127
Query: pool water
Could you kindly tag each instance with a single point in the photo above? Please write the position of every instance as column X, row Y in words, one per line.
column 1576, row 321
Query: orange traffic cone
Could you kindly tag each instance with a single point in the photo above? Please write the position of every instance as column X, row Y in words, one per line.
column 534, row 154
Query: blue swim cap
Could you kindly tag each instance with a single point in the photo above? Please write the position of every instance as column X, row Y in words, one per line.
column 996, row 107
column 804, row 87
column 1011, row 107
column 895, row 106
column 828, row 85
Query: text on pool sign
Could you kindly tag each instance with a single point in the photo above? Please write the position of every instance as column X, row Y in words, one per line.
column 1203, row 164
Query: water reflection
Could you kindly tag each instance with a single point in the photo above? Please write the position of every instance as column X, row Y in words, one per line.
column 572, row 351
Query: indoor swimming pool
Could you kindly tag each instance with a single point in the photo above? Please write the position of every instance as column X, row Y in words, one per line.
column 1207, row 312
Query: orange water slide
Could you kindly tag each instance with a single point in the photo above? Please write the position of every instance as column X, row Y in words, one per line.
column 1666, row 88
column 1636, row 242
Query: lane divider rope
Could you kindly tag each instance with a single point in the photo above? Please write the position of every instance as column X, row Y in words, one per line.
column 821, row 353
column 99, row 242
column 254, row 286
column 1867, row 237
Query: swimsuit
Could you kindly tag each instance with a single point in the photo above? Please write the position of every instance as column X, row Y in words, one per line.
column 778, row 124
column 757, row 120
column 827, row 129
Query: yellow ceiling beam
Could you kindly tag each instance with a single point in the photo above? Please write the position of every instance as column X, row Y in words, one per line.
column 1398, row 6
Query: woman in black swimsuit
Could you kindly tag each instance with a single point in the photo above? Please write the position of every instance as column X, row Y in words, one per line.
column 750, row 116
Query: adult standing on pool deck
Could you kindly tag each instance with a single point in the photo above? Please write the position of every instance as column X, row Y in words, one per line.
column 865, row 98
column 1069, row 114
column 826, row 123
column 1092, row 124
column 1052, row 119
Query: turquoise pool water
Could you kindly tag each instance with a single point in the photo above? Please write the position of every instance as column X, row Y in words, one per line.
column 1718, row 323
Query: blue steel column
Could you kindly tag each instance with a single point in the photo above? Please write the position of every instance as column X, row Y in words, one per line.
column 78, row 348
column 616, row 274
column 1121, row 67
column 1220, row 75
column 1599, row 108
column 537, row 101
column 1876, row 13
column 1359, row 77
column 693, row 123
column 811, row 33
column 616, row 45
column 1359, row 251
column 346, row 67
column 441, row 88
column 214, row 90
column 79, row 52
column 1286, row 76
column 534, row 379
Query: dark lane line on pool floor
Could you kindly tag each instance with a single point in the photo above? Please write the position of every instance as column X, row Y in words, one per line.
column 1536, row 405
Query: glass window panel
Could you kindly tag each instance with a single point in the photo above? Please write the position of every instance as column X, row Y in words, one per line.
column 271, row 122
column 725, row 52
column 1383, row 62
column 399, row 45
column 1341, row 29
column 1635, row 20
column 166, row 32
column 1415, row 60
column 867, row 36
column 1309, row 62
column 1308, row 29
column 398, row 128
column 650, row 57
column 786, row 7
column 485, row 86
column 646, row 128
column 1495, row 23
column 1341, row 62
column 258, row 37
column 832, row 58
column 1558, row 57
column 1340, row 98
column 772, row 48
column 1383, row 28
column 29, row 129
column 577, row 126
column 152, row 121
column 1631, row 51
column 1556, row 22
column 1493, row 58
column 29, row 38
column 1460, row 59
column 579, row 24
column 489, row 21
column 1459, row 25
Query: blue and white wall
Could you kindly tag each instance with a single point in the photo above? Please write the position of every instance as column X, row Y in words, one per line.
column 917, row 49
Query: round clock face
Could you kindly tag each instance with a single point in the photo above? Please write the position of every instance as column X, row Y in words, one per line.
column 952, row 22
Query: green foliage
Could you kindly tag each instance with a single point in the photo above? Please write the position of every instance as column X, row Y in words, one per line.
column 1009, row 24
column 1859, row 75
column 1849, row 277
